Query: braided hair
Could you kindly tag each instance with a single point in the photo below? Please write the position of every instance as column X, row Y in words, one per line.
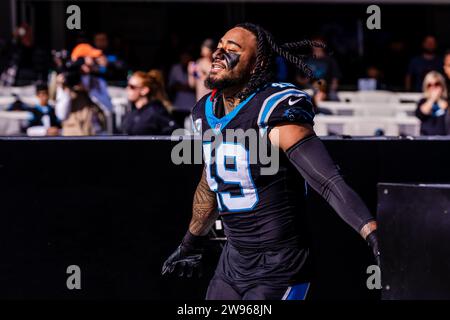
column 266, row 52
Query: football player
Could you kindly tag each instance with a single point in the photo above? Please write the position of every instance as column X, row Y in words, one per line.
column 266, row 255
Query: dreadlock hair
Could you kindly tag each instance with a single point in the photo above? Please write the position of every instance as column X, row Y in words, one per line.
column 267, row 50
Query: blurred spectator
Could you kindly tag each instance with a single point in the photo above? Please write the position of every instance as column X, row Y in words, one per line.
column 43, row 120
column 373, row 79
column 20, row 68
column 101, row 42
column 325, row 68
column 93, row 63
column 320, row 94
column 79, row 115
column 43, row 114
column 419, row 66
column 61, row 59
column 183, row 94
column 115, row 68
column 432, row 110
column 150, row 114
column 198, row 71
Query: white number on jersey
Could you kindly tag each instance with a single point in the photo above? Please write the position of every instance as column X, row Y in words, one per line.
column 240, row 174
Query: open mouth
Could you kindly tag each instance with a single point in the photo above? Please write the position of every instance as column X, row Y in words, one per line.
column 218, row 66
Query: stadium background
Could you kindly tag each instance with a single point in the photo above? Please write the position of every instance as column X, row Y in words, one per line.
column 117, row 212
column 146, row 28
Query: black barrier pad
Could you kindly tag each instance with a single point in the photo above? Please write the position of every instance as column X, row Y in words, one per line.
column 414, row 226
column 118, row 207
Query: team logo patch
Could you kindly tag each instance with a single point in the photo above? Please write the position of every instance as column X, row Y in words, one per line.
column 296, row 114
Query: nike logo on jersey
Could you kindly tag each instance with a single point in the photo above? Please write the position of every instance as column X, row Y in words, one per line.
column 292, row 102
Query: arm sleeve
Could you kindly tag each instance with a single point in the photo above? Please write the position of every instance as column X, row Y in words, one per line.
column 293, row 106
column 312, row 160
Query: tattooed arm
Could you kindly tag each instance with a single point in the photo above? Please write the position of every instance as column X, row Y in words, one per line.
column 203, row 208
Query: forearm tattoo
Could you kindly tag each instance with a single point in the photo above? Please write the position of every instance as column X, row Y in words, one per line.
column 204, row 212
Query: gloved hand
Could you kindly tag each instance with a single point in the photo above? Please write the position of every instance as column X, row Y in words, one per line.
column 372, row 240
column 187, row 257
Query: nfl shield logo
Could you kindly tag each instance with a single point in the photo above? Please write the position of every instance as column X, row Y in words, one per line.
column 218, row 126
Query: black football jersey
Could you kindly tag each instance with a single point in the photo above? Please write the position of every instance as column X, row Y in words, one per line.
column 259, row 193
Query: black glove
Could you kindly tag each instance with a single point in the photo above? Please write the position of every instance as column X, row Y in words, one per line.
column 187, row 257
column 372, row 240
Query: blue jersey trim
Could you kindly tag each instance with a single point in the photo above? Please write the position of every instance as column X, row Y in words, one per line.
column 297, row 292
column 218, row 124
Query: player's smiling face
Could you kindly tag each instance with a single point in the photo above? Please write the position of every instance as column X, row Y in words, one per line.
column 233, row 60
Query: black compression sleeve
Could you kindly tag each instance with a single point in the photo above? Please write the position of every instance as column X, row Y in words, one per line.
column 312, row 160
